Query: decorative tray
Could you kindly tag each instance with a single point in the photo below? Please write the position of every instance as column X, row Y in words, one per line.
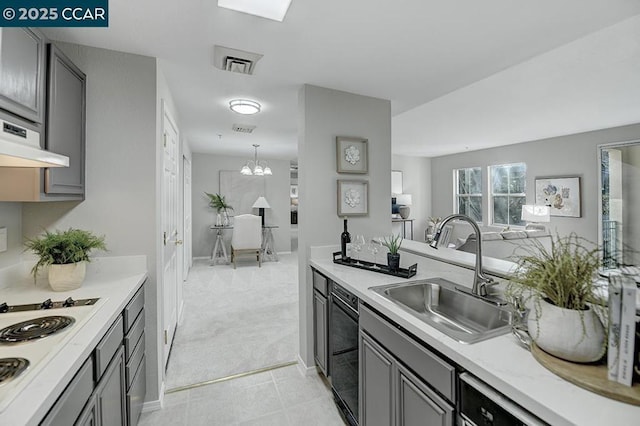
column 376, row 267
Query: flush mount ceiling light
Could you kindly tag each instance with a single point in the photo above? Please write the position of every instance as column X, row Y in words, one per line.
column 270, row 9
column 244, row 106
column 255, row 167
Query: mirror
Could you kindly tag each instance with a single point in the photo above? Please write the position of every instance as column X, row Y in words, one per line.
column 619, row 228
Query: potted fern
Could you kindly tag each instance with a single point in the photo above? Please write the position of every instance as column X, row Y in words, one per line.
column 560, row 286
column 66, row 253
column 217, row 201
column 393, row 243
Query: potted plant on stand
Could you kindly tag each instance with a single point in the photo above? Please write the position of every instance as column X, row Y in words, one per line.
column 66, row 253
column 393, row 243
column 217, row 201
column 560, row 288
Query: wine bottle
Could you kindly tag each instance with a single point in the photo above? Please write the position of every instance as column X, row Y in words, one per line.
column 345, row 242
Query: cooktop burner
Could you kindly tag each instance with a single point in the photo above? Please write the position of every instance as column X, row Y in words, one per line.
column 11, row 367
column 35, row 328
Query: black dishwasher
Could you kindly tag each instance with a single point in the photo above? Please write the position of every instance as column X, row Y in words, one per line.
column 343, row 351
column 481, row 405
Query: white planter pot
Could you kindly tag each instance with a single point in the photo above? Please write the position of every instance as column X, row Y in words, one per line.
column 572, row 335
column 67, row 277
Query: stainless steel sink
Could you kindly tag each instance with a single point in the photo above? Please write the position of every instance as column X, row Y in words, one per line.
column 460, row 315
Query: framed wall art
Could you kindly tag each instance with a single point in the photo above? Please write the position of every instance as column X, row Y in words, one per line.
column 352, row 155
column 353, row 198
column 561, row 194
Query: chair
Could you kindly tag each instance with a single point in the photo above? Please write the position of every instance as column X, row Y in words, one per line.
column 247, row 237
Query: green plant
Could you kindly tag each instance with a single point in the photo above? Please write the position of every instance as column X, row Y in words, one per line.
column 393, row 243
column 63, row 247
column 217, row 201
column 565, row 274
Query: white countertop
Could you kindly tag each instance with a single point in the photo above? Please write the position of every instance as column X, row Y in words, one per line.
column 113, row 279
column 499, row 361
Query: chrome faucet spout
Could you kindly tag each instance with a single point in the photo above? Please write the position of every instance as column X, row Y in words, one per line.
column 480, row 280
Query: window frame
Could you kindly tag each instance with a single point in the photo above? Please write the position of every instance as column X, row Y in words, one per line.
column 508, row 195
column 457, row 195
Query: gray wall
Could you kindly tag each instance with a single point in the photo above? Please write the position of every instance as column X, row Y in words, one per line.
column 206, row 178
column 11, row 218
column 416, row 180
column 121, row 201
column 572, row 155
column 324, row 114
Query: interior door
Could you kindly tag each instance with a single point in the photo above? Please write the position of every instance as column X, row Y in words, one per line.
column 170, row 235
column 186, row 170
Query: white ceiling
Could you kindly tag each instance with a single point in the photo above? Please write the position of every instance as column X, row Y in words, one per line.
column 460, row 74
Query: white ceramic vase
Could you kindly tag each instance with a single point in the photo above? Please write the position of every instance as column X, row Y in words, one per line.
column 572, row 335
column 67, row 277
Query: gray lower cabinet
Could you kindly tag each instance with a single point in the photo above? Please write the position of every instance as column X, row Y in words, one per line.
column 65, row 130
column 110, row 394
column 22, row 73
column 391, row 393
column 376, row 384
column 89, row 416
column 321, row 321
column 320, row 310
column 110, row 387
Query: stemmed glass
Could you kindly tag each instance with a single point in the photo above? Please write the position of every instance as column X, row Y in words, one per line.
column 373, row 248
column 357, row 246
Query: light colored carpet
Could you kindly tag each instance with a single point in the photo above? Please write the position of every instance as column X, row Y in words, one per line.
column 235, row 320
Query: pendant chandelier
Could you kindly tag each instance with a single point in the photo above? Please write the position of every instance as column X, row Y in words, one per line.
column 255, row 167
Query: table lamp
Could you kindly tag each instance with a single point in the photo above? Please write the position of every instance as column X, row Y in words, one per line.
column 536, row 213
column 261, row 204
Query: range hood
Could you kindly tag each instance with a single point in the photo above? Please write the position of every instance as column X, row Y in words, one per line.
column 20, row 147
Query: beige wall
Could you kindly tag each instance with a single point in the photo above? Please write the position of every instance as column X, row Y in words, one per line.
column 572, row 155
column 324, row 114
column 121, row 192
column 206, row 178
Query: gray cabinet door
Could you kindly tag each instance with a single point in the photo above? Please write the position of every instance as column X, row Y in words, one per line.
column 111, row 393
column 376, row 384
column 320, row 330
column 65, row 123
column 22, row 72
column 417, row 405
column 89, row 416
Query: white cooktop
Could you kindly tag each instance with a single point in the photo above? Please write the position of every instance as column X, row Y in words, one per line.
column 39, row 351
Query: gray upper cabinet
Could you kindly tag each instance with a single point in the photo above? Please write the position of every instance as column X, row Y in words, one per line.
column 22, row 73
column 65, row 125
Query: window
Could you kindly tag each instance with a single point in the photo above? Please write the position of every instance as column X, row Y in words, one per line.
column 469, row 192
column 507, row 184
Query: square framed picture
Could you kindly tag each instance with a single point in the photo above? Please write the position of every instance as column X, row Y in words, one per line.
column 561, row 194
column 352, row 155
column 353, row 198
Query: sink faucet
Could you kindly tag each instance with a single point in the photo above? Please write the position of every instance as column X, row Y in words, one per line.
column 480, row 280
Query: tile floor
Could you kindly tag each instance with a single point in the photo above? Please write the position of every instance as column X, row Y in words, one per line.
column 237, row 321
column 277, row 397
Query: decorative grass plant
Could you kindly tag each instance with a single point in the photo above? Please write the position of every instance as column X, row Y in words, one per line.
column 393, row 243
column 217, row 201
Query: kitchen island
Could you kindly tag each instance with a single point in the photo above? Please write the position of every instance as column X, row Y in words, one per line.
column 115, row 280
column 500, row 362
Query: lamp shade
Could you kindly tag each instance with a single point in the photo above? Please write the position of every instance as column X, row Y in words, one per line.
column 403, row 199
column 261, row 203
column 536, row 213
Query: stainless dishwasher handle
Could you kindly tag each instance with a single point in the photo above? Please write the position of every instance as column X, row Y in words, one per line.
column 506, row 404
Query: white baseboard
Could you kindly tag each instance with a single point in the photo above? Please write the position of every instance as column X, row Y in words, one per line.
column 202, row 257
column 304, row 369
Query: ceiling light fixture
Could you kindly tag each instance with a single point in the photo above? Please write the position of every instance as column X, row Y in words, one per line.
column 244, row 106
column 255, row 167
column 270, row 9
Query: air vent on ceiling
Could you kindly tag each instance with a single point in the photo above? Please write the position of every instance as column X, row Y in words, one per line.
column 243, row 128
column 234, row 60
